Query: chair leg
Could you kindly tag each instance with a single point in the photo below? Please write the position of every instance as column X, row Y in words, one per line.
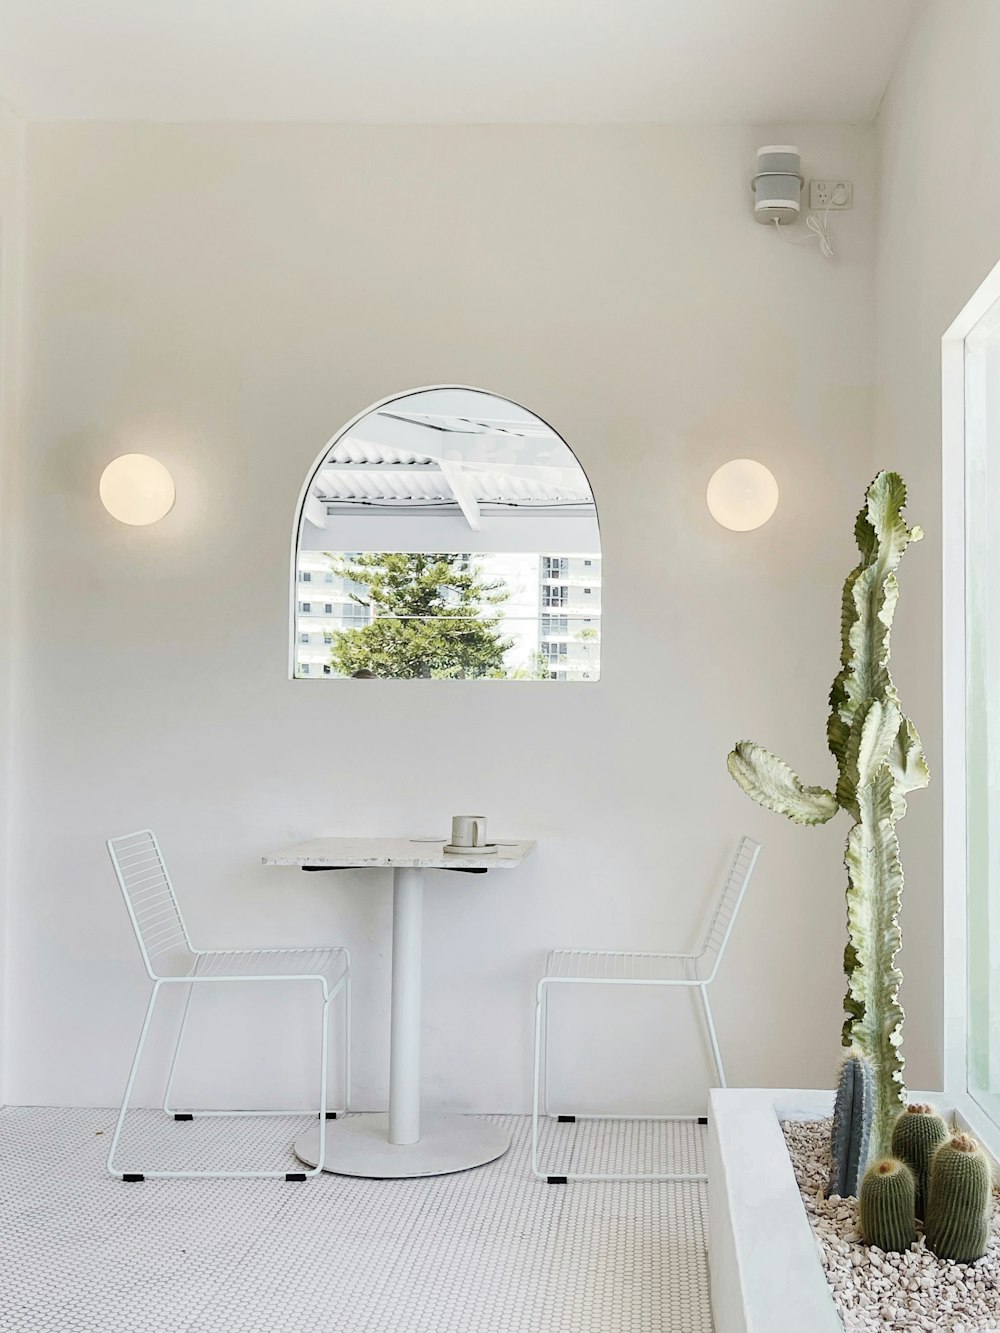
column 112, row 1170
column 167, row 1108
column 545, row 1051
column 323, row 1076
column 347, row 1043
column 716, row 1053
column 190, row 1115
column 540, row 1005
column 232, row 1175
column 539, row 1106
column 345, row 1067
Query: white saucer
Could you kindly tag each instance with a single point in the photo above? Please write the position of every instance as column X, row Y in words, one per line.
column 487, row 849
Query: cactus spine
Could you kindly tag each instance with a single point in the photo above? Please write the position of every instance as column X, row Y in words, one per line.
column 852, row 1123
column 885, row 1208
column 879, row 760
column 916, row 1137
column 960, row 1199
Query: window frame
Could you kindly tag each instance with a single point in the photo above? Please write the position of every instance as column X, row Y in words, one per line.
column 954, row 469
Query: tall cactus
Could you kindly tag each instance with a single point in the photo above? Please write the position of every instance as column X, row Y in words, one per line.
column 879, row 760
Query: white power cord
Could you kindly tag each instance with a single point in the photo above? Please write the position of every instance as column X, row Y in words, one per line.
column 818, row 230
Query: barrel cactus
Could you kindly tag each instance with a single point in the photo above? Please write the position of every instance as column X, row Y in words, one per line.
column 852, row 1123
column 959, row 1201
column 879, row 760
column 916, row 1137
column 886, row 1215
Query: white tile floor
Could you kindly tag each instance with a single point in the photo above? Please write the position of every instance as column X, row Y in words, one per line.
column 484, row 1251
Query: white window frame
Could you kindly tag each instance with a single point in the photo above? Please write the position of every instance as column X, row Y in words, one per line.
column 955, row 1013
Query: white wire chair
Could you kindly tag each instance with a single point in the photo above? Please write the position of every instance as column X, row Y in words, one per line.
column 171, row 959
column 575, row 967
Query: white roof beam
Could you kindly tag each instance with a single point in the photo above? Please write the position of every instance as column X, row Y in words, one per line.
column 462, row 492
column 343, row 466
column 315, row 512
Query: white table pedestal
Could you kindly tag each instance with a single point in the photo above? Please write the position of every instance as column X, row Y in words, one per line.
column 404, row 1143
column 360, row 1146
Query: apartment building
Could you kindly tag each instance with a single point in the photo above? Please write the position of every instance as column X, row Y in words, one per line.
column 552, row 612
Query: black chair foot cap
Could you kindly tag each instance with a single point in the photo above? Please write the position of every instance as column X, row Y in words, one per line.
column 183, row 1115
column 703, row 1120
column 129, row 1176
column 294, row 1175
column 331, row 1115
column 566, row 1119
column 555, row 1180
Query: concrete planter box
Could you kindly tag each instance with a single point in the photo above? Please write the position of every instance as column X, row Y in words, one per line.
column 766, row 1272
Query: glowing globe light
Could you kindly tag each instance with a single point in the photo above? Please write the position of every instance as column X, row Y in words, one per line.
column 137, row 489
column 742, row 494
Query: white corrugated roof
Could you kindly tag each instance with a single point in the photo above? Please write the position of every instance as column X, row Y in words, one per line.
column 494, row 459
column 425, row 483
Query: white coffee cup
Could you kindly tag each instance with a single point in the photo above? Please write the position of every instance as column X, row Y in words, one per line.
column 468, row 831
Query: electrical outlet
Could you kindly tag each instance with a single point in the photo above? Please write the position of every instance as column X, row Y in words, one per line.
column 830, row 194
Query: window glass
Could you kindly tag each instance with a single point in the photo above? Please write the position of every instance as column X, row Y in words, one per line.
column 445, row 526
column 982, row 409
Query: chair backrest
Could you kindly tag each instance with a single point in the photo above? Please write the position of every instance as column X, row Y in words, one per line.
column 729, row 903
column 152, row 906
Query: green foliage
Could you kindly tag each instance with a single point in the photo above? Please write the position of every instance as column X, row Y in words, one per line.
column 535, row 668
column 879, row 760
column 959, row 1201
column 432, row 618
column 916, row 1137
column 852, row 1123
column 886, row 1215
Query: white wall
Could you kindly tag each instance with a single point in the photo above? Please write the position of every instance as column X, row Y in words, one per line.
column 225, row 298
column 939, row 143
column 11, row 257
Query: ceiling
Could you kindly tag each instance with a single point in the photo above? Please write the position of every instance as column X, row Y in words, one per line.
column 450, row 61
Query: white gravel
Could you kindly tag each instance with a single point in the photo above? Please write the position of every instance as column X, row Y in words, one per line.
column 878, row 1291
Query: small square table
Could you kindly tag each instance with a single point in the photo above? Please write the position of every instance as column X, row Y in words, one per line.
column 405, row 1142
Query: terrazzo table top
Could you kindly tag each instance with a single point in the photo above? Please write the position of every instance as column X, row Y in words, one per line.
column 414, row 853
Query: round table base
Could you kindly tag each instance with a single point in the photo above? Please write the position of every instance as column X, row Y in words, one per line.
column 359, row 1146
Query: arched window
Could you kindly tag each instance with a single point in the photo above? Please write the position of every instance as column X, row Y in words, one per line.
column 450, row 534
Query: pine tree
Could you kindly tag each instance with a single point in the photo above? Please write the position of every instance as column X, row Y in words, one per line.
column 431, row 617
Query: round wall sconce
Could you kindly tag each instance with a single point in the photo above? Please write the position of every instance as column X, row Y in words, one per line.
column 742, row 494
column 137, row 489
